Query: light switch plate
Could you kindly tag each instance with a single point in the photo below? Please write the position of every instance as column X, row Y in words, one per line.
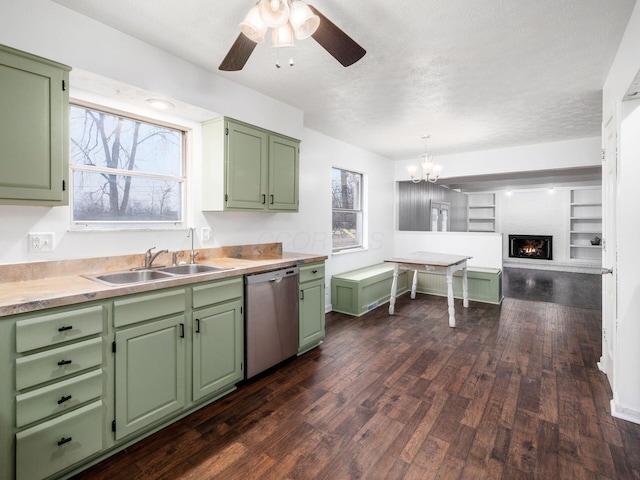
column 206, row 234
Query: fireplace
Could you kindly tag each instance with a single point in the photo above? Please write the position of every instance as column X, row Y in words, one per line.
column 538, row 247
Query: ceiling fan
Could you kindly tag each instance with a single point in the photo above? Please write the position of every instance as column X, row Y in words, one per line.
column 288, row 19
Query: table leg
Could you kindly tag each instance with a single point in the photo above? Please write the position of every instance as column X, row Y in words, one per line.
column 465, row 289
column 414, row 285
column 394, row 288
column 452, row 316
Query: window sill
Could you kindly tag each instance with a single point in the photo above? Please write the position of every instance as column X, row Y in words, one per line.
column 88, row 227
column 349, row 250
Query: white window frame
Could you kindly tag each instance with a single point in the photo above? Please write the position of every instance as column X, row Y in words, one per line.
column 115, row 225
column 362, row 216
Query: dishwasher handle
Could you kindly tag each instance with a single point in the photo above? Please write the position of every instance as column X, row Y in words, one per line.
column 273, row 277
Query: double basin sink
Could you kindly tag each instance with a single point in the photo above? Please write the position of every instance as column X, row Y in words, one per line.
column 156, row 273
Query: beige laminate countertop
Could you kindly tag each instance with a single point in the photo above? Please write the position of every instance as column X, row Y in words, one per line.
column 21, row 296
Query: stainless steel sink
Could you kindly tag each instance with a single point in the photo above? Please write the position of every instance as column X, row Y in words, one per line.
column 191, row 269
column 134, row 276
column 150, row 275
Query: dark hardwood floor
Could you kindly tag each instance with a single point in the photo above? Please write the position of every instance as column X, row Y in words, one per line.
column 512, row 393
column 572, row 289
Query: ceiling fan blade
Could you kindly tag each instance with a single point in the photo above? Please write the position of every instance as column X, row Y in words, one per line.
column 340, row 45
column 238, row 54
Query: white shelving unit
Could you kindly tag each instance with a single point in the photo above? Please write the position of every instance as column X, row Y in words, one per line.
column 585, row 223
column 481, row 215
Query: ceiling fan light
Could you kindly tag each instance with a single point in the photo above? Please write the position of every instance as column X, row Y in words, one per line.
column 303, row 20
column 283, row 36
column 253, row 26
column 274, row 18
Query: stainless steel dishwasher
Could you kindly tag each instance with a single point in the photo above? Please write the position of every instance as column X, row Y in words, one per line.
column 271, row 319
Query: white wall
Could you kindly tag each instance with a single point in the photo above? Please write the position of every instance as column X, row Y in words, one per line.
column 535, row 212
column 484, row 248
column 625, row 381
column 583, row 152
column 52, row 31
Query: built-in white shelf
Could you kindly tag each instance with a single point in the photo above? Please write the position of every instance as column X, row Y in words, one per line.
column 481, row 212
column 585, row 223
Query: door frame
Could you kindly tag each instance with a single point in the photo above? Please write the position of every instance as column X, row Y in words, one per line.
column 610, row 166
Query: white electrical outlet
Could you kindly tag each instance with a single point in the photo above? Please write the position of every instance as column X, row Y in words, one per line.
column 206, row 234
column 41, row 242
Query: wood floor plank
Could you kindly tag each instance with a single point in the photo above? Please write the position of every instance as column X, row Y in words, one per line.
column 513, row 392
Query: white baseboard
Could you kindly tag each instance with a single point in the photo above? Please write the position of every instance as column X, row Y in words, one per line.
column 628, row 414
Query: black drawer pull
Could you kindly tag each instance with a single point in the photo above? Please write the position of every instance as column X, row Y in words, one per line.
column 64, row 329
column 182, row 330
column 314, row 271
column 64, row 362
column 197, row 325
column 64, row 399
column 64, row 440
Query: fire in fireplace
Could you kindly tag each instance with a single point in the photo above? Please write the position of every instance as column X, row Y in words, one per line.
column 539, row 247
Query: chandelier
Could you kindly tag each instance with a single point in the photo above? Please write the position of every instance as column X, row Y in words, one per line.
column 286, row 20
column 430, row 171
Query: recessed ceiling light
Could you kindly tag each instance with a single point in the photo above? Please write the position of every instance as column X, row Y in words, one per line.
column 160, row 104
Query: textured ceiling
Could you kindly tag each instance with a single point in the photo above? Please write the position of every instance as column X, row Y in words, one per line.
column 474, row 75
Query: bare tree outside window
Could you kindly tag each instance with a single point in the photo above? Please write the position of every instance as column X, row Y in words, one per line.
column 125, row 170
column 346, row 190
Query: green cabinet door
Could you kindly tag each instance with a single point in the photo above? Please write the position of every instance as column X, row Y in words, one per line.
column 260, row 168
column 246, row 167
column 34, row 138
column 218, row 338
column 311, row 315
column 149, row 373
column 283, row 173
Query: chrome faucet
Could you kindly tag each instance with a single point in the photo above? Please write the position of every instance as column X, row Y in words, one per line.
column 192, row 255
column 149, row 257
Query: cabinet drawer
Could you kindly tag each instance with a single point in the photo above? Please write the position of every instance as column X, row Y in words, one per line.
column 312, row 271
column 217, row 292
column 59, row 443
column 58, row 398
column 59, row 327
column 149, row 306
column 57, row 363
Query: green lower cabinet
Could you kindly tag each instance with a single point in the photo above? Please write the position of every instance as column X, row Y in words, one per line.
column 59, row 443
column 311, row 315
column 218, row 334
column 311, row 306
column 150, row 373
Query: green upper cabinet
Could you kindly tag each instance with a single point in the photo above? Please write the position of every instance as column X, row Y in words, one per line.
column 283, row 173
column 246, row 168
column 34, row 129
column 247, row 165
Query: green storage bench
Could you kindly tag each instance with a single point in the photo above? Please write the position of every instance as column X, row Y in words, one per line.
column 358, row 291
column 485, row 284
